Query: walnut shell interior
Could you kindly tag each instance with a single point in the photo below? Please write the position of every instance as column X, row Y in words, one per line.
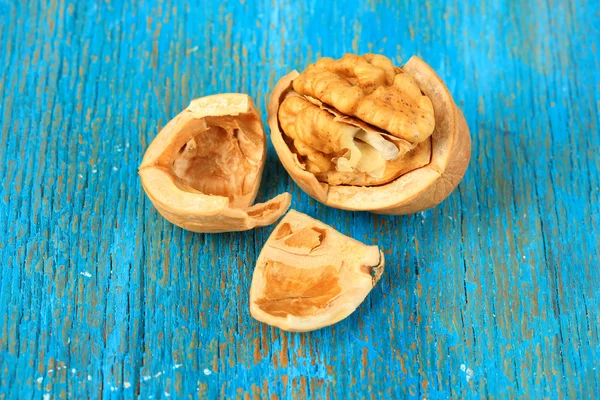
column 407, row 106
column 203, row 170
column 223, row 158
column 309, row 276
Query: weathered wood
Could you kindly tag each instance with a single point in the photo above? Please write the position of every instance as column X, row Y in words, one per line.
column 493, row 293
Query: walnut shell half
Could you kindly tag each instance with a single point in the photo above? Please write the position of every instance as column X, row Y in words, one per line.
column 308, row 275
column 409, row 107
column 203, row 170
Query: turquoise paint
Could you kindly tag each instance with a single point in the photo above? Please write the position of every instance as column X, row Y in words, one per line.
column 492, row 293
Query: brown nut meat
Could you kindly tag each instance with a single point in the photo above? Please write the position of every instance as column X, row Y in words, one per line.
column 362, row 134
column 203, row 170
column 308, row 275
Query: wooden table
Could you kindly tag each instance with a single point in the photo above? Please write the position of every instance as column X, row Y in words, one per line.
column 493, row 293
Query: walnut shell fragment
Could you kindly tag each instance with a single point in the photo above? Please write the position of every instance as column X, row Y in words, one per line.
column 308, row 275
column 362, row 134
column 203, row 170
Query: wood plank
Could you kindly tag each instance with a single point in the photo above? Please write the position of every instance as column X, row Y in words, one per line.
column 494, row 293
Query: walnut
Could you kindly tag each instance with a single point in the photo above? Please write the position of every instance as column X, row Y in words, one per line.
column 373, row 90
column 362, row 134
column 309, row 276
column 203, row 170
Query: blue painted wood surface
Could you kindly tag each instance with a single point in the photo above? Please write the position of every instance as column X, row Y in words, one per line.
column 493, row 293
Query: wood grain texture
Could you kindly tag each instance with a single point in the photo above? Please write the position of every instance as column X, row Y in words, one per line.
column 494, row 293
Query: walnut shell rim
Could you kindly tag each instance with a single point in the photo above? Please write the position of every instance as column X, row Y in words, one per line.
column 412, row 192
column 190, row 208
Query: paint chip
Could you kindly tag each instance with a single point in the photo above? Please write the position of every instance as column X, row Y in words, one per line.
column 40, row 379
column 89, row 377
column 192, row 50
column 73, row 370
column 158, row 374
column 207, row 371
column 126, row 385
column 146, row 377
column 46, row 396
column 86, row 274
column 115, row 169
column 470, row 374
column 177, row 366
column 468, row 371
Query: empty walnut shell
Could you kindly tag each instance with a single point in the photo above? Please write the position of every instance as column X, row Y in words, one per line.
column 203, row 170
column 308, row 275
column 311, row 116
